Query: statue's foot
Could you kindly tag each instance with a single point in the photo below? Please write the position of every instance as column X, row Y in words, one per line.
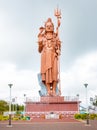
column 48, row 94
column 54, row 93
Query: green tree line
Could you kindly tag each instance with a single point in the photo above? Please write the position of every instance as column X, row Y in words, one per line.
column 4, row 106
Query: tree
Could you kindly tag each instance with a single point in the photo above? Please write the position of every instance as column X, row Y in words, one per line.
column 20, row 107
column 95, row 101
column 3, row 106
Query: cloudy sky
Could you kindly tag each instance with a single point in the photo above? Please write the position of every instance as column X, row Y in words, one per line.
column 19, row 58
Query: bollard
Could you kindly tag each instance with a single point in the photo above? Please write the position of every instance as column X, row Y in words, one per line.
column 87, row 119
column 9, row 125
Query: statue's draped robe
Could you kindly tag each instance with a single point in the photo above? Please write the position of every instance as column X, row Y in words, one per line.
column 49, row 59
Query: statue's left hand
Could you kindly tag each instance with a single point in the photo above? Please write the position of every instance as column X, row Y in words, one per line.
column 59, row 23
column 58, row 52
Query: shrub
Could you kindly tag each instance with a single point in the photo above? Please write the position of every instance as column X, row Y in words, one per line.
column 15, row 118
column 92, row 116
column 4, row 118
column 80, row 116
column 1, row 117
column 77, row 116
column 84, row 116
column 22, row 117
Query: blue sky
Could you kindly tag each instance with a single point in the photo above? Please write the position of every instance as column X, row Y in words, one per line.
column 19, row 58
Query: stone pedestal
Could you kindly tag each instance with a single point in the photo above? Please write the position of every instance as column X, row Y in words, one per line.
column 52, row 104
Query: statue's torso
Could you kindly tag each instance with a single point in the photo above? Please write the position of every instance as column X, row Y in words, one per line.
column 48, row 52
column 49, row 43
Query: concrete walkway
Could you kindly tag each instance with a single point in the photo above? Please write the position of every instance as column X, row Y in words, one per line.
column 49, row 125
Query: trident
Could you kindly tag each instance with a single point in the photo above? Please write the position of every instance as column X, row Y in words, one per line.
column 57, row 14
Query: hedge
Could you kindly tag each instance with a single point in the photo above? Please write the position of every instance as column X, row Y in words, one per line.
column 84, row 116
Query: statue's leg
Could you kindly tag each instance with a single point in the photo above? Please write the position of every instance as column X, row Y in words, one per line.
column 48, row 88
column 54, row 88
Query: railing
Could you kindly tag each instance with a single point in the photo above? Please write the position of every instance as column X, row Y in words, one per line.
column 71, row 98
column 66, row 98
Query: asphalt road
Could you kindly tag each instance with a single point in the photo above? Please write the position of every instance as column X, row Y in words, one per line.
column 50, row 126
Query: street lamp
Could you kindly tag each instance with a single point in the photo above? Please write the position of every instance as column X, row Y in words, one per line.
column 24, row 104
column 87, row 104
column 10, row 85
column 16, row 104
column 78, row 101
column 86, row 97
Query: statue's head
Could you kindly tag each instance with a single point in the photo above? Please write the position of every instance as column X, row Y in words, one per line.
column 49, row 26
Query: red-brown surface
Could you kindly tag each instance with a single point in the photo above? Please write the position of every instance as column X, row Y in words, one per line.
column 47, row 107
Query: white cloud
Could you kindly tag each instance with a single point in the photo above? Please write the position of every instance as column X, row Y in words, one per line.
column 24, row 81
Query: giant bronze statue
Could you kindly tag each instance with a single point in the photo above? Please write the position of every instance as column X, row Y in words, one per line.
column 49, row 46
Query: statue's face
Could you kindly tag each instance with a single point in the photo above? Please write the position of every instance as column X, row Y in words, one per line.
column 49, row 27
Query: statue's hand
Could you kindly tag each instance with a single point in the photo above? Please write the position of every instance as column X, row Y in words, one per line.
column 59, row 23
column 40, row 48
column 58, row 52
column 41, row 29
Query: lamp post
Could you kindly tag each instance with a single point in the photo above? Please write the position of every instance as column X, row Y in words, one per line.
column 78, row 101
column 16, row 104
column 87, row 104
column 24, row 104
column 10, row 85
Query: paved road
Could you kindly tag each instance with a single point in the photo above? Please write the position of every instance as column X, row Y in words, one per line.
column 51, row 126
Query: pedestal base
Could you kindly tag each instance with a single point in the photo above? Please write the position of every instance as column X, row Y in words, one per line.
column 52, row 104
column 49, row 99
